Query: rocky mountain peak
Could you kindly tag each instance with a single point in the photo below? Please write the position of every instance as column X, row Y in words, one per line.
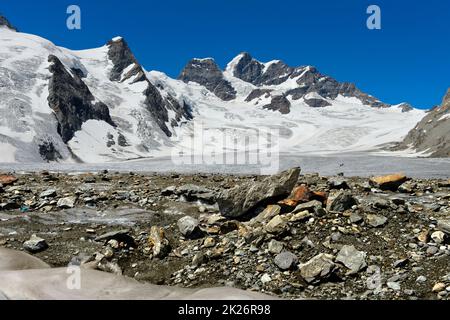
column 122, row 58
column 245, row 67
column 207, row 73
column 5, row 23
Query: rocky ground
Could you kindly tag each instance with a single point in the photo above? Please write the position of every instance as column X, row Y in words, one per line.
column 290, row 235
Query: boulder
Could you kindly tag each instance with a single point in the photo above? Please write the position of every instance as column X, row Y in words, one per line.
column 389, row 182
column 444, row 225
column 277, row 225
column 317, row 268
column 6, row 179
column 240, row 200
column 342, row 201
column 353, row 259
column 376, row 220
column 188, row 226
column 35, row 244
column 286, row 260
column 66, row 203
column 275, row 247
column 48, row 193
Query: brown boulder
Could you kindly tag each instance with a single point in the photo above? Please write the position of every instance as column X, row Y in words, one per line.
column 390, row 182
column 6, row 179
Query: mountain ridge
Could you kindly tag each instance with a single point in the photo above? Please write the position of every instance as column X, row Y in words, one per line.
column 104, row 105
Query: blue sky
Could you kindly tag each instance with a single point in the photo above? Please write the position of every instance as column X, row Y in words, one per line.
column 407, row 60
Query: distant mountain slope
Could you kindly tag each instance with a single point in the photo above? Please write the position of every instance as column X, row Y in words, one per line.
column 431, row 136
column 101, row 105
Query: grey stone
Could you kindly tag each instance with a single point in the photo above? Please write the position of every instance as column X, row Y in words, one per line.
column 188, row 226
column 48, row 193
column 275, row 246
column 351, row 258
column 35, row 244
column 312, row 206
column 375, row 220
column 285, row 260
column 317, row 268
column 241, row 199
column 66, row 203
column 342, row 201
column 444, row 225
column 277, row 225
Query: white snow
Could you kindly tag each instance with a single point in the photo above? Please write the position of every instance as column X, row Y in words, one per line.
column 7, row 152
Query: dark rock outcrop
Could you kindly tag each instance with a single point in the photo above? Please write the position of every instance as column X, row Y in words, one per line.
column 72, row 101
column 122, row 58
column 258, row 93
column 279, row 103
column 253, row 71
column 48, row 151
column 248, row 69
column 317, row 103
column 208, row 74
column 432, row 134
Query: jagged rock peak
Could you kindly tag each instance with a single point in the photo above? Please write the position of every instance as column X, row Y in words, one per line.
column 207, row 73
column 245, row 67
column 122, row 58
column 5, row 23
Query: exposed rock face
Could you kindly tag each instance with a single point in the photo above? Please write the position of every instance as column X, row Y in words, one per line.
column 122, row 57
column 5, row 23
column 248, row 69
column 48, row 151
column 207, row 73
column 72, row 101
column 279, row 103
column 317, row 103
column 258, row 93
column 126, row 67
column 432, row 134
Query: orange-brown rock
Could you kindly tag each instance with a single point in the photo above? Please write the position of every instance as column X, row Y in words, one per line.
column 301, row 194
column 6, row 179
column 389, row 182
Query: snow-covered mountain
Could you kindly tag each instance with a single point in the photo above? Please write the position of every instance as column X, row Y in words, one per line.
column 431, row 136
column 101, row 105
